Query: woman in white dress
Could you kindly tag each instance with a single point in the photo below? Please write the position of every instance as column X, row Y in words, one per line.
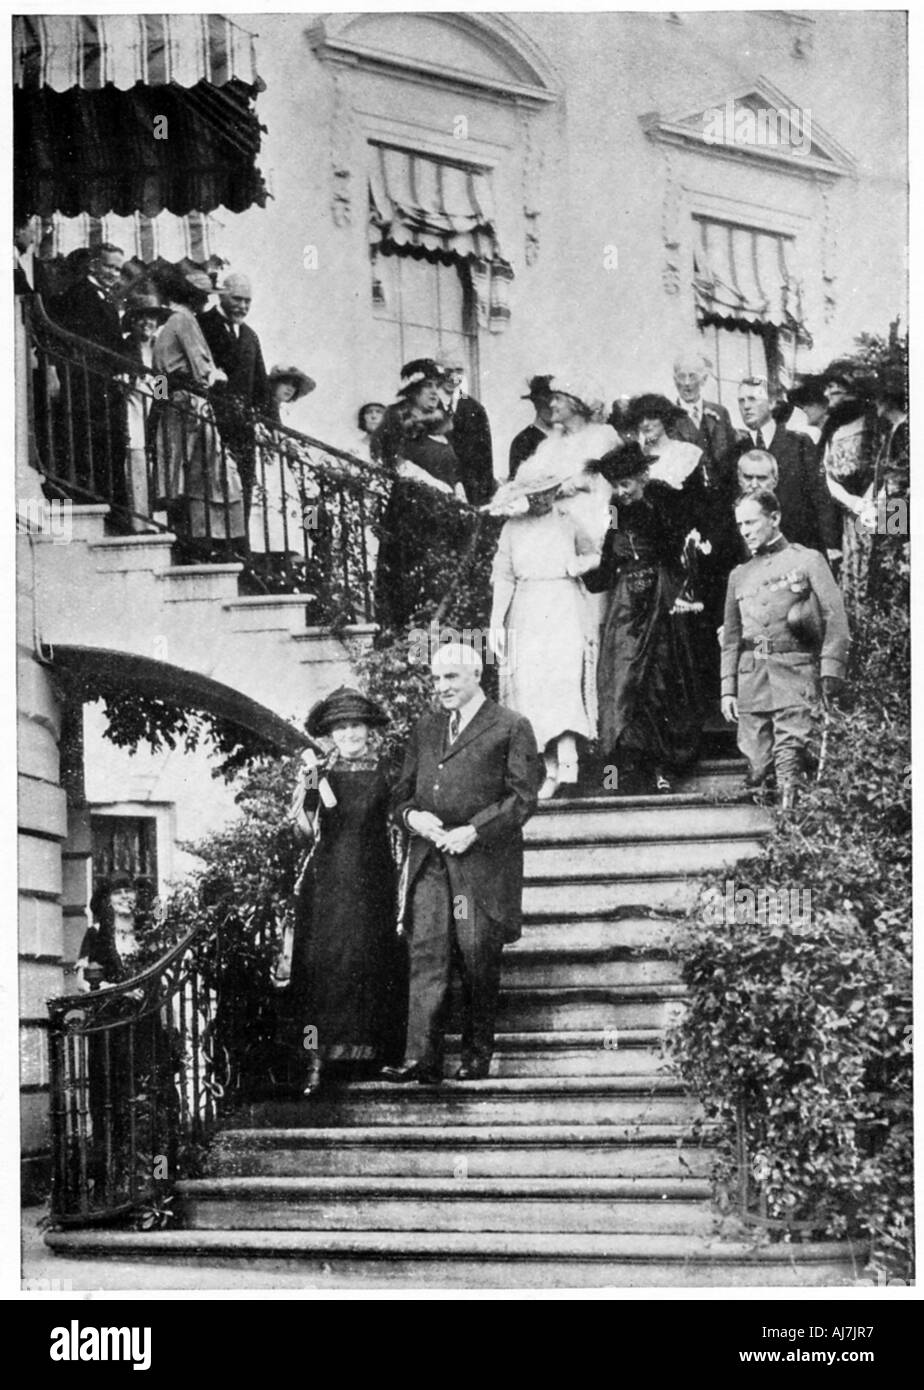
column 284, row 491
column 539, row 626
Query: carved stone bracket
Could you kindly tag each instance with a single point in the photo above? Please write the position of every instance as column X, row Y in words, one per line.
column 671, row 235
column 533, row 163
column 828, row 255
column 341, row 154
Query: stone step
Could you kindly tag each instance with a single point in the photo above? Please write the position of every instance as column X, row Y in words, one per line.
column 634, row 1052
column 617, row 820
column 609, row 1007
column 498, row 1151
column 630, row 933
column 117, row 554
column 563, row 899
column 627, row 1100
column 587, row 1205
column 268, row 612
column 482, row 1259
column 617, row 862
column 199, row 583
column 522, row 968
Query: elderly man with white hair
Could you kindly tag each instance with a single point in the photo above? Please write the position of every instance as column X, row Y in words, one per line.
column 469, row 783
column 236, row 349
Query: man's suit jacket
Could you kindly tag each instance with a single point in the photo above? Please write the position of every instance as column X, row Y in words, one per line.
column 239, row 357
column 83, row 310
column 715, row 436
column 471, row 439
column 808, row 514
column 488, row 778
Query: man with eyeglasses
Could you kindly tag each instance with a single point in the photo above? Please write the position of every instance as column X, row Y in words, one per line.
column 808, row 508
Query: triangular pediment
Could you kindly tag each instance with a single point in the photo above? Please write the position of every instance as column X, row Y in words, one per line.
column 756, row 122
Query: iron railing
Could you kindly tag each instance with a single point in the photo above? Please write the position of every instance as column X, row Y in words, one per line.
column 300, row 515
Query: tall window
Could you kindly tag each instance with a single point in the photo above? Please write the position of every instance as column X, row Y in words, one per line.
column 421, row 305
column 748, row 303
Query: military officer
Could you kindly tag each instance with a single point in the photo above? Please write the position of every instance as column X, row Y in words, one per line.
column 785, row 625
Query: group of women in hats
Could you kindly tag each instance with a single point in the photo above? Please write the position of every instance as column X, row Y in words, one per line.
column 592, row 645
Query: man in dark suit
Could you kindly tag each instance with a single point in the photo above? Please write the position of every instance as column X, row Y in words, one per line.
column 808, row 510
column 469, row 782
column 471, row 431
column 87, row 308
column 704, row 423
column 236, row 349
column 525, row 444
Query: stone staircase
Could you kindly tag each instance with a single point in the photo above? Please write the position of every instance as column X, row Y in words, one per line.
column 574, row 1165
column 189, row 617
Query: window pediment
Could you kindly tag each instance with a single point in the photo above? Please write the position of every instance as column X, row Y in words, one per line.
column 486, row 54
column 756, row 124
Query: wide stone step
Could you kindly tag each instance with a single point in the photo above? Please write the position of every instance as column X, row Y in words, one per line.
column 668, row 1206
column 480, row 1259
column 118, row 554
column 628, row 932
column 458, row 1151
column 635, row 1052
column 626, row 1100
column 583, row 967
column 664, row 892
column 268, row 612
column 636, row 859
column 599, row 1008
column 630, row 819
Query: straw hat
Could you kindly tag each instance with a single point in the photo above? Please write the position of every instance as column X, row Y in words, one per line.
column 303, row 383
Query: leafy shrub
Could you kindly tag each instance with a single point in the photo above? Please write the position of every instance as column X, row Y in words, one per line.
column 804, row 1028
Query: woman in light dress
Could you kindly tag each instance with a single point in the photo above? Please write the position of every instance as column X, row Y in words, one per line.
column 284, row 491
column 539, row 620
column 846, row 446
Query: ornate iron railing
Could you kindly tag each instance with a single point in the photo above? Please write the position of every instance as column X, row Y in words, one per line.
column 138, row 1071
column 300, row 515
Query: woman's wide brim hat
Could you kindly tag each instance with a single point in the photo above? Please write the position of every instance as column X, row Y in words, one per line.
column 200, row 282
column 809, row 390
column 627, row 461
column 344, row 706
column 414, row 374
column 582, row 388
column 303, row 382
column 139, row 306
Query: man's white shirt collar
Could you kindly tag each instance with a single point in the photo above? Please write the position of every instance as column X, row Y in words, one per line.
column 235, row 327
column 767, row 429
column 468, row 711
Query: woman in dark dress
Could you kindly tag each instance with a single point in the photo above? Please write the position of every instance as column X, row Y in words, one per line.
column 422, row 528
column 650, row 708
column 347, row 979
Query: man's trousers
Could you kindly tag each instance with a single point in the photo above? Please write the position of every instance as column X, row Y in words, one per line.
column 775, row 738
column 449, row 929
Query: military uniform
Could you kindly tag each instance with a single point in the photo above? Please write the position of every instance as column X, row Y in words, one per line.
column 773, row 671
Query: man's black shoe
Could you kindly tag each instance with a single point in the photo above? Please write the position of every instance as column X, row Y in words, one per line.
column 473, row 1071
column 411, row 1071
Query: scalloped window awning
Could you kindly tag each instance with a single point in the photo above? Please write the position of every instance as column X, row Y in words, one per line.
column 746, row 275
column 88, row 93
column 426, row 206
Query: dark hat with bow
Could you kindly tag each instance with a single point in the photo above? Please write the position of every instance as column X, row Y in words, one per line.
column 344, row 706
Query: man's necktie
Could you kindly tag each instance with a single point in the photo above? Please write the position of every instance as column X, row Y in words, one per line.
column 455, row 720
column 759, row 440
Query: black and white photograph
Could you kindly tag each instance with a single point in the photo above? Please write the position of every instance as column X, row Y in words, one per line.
column 463, row 594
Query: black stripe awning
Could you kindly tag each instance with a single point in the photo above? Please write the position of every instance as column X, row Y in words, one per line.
column 134, row 113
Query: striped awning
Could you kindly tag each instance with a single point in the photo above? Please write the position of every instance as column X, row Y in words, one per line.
column 125, row 114
column 431, row 206
column 90, row 51
column 745, row 275
column 147, row 240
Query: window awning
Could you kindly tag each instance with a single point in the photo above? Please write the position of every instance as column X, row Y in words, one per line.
column 428, row 206
column 746, row 275
column 91, row 51
column 134, row 113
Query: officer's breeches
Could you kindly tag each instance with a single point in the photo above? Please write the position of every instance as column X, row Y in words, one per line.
column 775, row 738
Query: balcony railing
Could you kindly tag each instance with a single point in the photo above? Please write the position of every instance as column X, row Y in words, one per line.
column 299, row 515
